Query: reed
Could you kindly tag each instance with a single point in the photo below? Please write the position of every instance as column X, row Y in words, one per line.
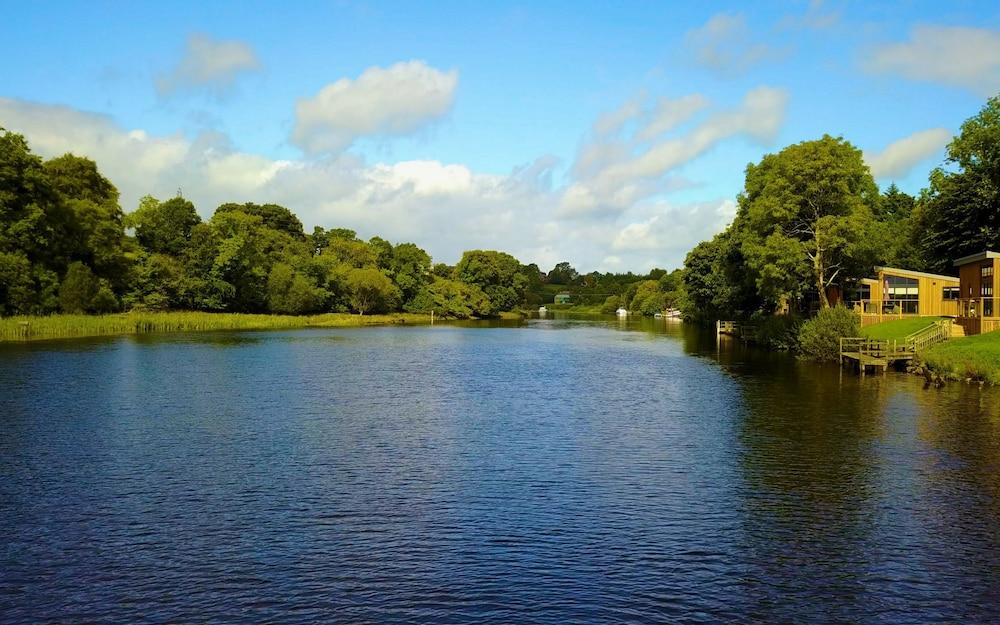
column 76, row 326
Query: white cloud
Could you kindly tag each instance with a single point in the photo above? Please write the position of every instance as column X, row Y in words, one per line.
column 724, row 46
column 901, row 156
column 392, row 101
column 613, row 174
column 444, row 207
column 953, row 55
column 816, row 17
column 208, row 64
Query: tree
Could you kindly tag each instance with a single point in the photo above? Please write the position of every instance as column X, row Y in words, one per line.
column 81, row 291
column 563, row 273
column 292, row 293
column 451, row 298
column 410, row 268
column 801, row 214
column 272, row 216
column 498, row 274
column 97, row 220
column 960, row 212
column 370, row 290
column 164, row 227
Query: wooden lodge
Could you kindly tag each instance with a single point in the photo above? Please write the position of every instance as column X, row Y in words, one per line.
column 979, row 279
column 898, row 293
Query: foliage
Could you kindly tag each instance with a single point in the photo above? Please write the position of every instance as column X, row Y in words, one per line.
column 611, row 304
column 25, row 328
column 498, row 274
column 801, row 216
column 370, row 290
column 164, row 227
column 292, row 293
column 81, row 291
column 451, row 298
column 961, row 209
column 780, row 332
column 819, row 337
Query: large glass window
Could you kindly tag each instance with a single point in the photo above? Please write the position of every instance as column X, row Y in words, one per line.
column 950, row 292
column 901, row 295
column 988, row 307
column 986, row 271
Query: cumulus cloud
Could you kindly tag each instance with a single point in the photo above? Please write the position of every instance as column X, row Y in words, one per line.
column 724, row 46
column 953, row 55
column 209, row 65
column 444, row 207
column 613, row 174
column 392, row 101
column 900, row 157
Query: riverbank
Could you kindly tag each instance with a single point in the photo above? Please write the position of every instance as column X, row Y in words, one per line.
column 18, row 329
column 973, row 358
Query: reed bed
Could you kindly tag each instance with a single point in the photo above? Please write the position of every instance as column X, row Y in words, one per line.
column 77, row 326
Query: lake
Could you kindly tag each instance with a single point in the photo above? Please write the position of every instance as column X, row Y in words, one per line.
column 554, row 471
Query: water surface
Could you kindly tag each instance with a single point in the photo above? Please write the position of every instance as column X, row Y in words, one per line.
column 559, row 471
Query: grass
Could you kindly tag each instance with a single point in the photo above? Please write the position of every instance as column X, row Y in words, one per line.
column 897, row 329
column 976, row 357
column 76, row 326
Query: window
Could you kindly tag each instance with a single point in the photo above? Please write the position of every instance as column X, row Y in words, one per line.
column 988, row 307
column 986, row 291
column 986, row 271
column 901, row 295
column 951, row 292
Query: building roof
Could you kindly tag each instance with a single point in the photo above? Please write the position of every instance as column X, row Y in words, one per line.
column 965, row 260
column 917, row 274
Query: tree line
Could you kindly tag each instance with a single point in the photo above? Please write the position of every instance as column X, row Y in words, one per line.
column 66, row 245
column 811, row 221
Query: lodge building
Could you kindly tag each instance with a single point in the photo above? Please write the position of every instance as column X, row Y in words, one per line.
column 968, row 298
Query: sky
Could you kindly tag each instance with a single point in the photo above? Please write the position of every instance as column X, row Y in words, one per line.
column 611, row 135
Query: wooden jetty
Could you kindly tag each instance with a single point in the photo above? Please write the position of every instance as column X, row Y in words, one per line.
column 879, row 354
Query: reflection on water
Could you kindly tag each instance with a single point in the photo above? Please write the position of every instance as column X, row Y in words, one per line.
column 566, row 469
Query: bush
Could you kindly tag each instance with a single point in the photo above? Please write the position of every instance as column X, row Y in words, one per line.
column 819, row 337
column 611, row 304
column 779, row 332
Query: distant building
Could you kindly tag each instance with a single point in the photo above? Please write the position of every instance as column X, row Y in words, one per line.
column 563, row 298
column 978, row 310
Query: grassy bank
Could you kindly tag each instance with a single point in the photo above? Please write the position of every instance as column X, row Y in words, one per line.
column 75, row 326
column 898, row 329
column 976, row 357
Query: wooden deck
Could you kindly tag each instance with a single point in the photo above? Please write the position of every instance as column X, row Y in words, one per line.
column 865, row 353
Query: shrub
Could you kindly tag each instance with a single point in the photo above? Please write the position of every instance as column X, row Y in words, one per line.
column 611, row 304
column 779, row 332
column 819, row 337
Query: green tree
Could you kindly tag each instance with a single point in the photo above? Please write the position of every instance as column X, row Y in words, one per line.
column 801, row 215
column 164, row 227
column 451, row 298
column 81, row 291
column 562, row 273
column 272, row 216
column 292, row 293
column 370, row 290
column 960, row 212
column 498, row 274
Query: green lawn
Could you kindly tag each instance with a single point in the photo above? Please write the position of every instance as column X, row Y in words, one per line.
column 897, row 329
column 977, row 357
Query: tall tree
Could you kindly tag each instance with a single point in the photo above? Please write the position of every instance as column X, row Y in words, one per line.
column 801, row 215
column 164, row 227
column 960, row 212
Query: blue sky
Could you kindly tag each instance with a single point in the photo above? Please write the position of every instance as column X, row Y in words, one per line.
column 460, row 125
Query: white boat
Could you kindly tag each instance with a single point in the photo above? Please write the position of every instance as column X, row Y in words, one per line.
column 658, row 316
column 621, row 312
column 542, row 310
